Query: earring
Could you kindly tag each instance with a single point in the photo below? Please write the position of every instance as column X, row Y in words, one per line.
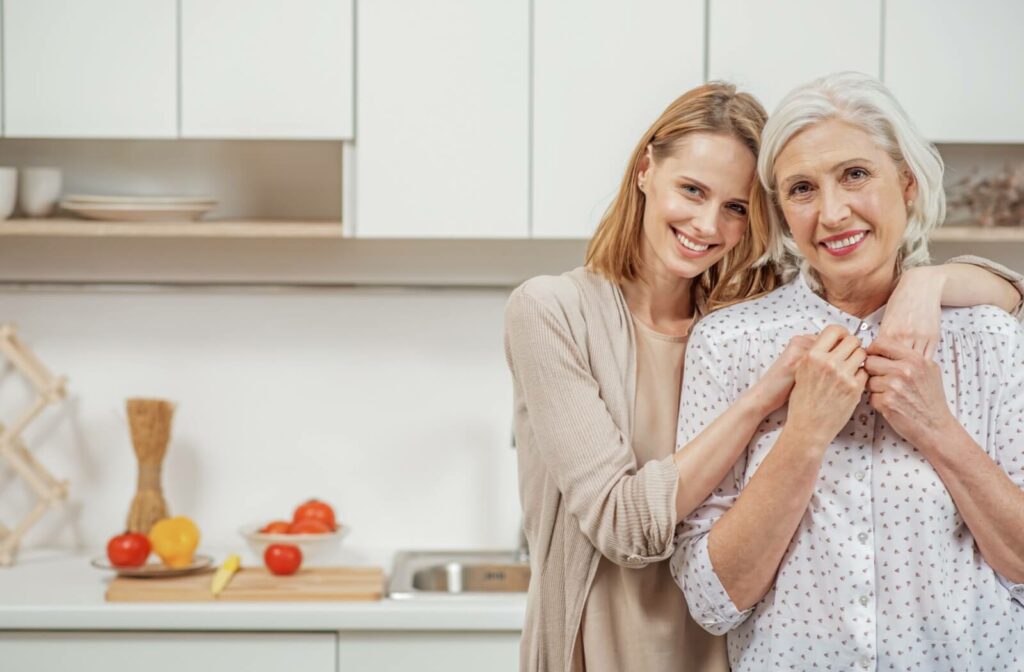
column 910, row 204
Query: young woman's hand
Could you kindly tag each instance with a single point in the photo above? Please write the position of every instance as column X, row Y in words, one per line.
column 906, row 388
column 914, row 312
column 772, row 390
column 829, row 383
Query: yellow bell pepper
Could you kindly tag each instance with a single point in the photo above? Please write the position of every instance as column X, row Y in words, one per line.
column 175, row 540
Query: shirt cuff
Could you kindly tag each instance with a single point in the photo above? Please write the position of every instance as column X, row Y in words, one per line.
column 1014, row 278
column 710, row 605
column 1016, row 589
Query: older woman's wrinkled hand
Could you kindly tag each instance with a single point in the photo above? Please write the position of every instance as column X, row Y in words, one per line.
column 828, row 387
column 906, row 388
column 914, row 311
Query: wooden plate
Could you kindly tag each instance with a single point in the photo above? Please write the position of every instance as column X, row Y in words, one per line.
column 154, row 569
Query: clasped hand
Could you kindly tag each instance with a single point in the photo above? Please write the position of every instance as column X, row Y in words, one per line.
column 825, row 376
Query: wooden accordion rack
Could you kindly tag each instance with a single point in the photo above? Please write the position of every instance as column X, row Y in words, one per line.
column 49, row 390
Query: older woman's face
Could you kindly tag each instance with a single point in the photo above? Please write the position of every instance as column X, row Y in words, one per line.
column 844, row 200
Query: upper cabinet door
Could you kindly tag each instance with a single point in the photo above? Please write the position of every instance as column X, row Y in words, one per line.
column 90, row 68
column 442, row 145
column 768, row 48
column 266, row 69
column 596, row 91
column 958, row 68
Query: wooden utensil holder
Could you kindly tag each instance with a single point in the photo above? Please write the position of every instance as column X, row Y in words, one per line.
column 49, row 390
column 150, row 423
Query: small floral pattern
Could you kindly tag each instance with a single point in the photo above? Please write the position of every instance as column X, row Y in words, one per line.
column 882, row 573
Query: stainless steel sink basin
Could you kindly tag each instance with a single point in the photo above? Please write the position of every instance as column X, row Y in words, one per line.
column 457, row 573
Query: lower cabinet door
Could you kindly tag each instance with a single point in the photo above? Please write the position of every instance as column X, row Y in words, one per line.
column 31, row 651
column 428, row 651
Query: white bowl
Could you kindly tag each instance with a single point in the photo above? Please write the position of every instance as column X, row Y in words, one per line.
column 316, row 548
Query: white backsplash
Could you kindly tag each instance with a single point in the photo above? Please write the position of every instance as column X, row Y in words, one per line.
column 393, row 405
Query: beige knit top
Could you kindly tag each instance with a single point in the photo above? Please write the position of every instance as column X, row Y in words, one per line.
column 632, row 619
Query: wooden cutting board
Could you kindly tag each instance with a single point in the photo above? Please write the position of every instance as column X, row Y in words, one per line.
column 256, row 585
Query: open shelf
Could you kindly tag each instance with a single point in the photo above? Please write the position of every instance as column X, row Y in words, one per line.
column 85, row 228
column 977, row 234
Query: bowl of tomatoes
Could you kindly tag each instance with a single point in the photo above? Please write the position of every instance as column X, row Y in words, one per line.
column 313, row 528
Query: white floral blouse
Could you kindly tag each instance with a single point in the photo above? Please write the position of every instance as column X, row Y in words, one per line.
column 882, row 573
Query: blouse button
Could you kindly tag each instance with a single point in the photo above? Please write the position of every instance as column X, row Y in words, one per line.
column 865, row 663
column 863, row 326
column 864, row 600
column 859, row 475
column 863, row 418
column 863, row 537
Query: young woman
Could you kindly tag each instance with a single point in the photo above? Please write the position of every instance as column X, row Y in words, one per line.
column 596, row 358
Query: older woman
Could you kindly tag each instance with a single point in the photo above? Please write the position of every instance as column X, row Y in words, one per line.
column 876, row 521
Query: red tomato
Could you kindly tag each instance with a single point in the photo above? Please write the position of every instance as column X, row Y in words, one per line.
column 308, row 526
column 282, row 559
column 128, row 550
column 314, row 509
column 275, row 527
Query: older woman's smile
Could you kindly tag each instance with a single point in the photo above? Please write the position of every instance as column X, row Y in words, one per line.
column 844, row 243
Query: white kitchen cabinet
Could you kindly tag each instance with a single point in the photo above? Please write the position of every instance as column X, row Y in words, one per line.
column 958, row 67
column 603, row 72
column 167, row 651
column 266, row 69
column 428, row 651
column 442, row 103
column 767, row 48
column 90, row 68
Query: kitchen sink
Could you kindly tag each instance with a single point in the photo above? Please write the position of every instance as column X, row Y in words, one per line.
column 466, row 574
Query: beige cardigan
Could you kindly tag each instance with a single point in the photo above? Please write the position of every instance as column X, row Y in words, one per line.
column 570, row 346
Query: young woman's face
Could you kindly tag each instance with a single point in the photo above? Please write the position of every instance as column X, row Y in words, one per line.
column 844, row 199
column 696, row 203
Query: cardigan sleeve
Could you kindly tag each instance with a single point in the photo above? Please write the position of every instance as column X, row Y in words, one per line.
column 627, row 514
column 1014, row 278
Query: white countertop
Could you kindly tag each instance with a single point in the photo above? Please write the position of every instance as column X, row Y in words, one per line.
column 48, row 590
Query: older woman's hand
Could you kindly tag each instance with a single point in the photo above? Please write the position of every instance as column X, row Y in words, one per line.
column 913, row 314
column 829, row 382
column 906, row 388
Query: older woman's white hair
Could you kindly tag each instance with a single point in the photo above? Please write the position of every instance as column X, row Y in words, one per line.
column 863, row 101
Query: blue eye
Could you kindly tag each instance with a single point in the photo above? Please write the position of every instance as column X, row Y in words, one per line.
column 738, row 208
column 692, row 190
column 857, row 173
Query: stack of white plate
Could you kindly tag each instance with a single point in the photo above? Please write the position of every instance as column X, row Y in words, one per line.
column 139, row 208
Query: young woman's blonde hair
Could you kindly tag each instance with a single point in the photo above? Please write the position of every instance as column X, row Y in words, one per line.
column 743, row 273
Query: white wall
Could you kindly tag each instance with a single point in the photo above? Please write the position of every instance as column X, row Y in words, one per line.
column 394, row 405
